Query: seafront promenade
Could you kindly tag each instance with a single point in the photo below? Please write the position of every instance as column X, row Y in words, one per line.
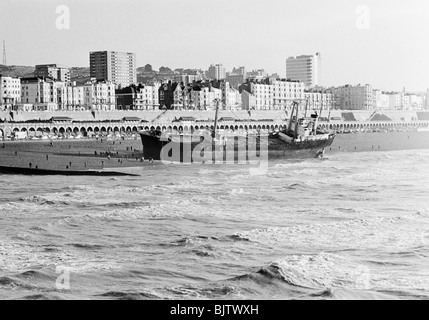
column 87, row 123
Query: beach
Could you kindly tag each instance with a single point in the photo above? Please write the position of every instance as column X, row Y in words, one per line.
column 72, row 155
column 75, row 156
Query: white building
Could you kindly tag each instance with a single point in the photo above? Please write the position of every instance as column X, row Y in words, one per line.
column 264, row 94
column 148, row 97
column 40, row 93
column 10, row 91
column 381, row 100
column 70, row 96
column 307, row 69
column 100, row 95
column 354, row 97
column 319, row 100
column 285, row 92
column 204, row 97
column 231, row 98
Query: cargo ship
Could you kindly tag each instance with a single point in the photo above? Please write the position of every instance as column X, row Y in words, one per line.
column 300, row 140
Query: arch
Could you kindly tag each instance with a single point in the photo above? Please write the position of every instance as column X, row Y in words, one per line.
column 116, row 129
column 181, row 129
column 62, row 130
column 83, row 130
column 55, row 130
column 16, row 130
column 109, row 129
column 123, row 129
column 236, row 127
column 158, row 128
column 76, row 130
column 164, row 128
column 272, row 127
column 128, row 129
column 96, row 129
column 175, row 128
column 145, row 128
column 47, row 130
column 1, row 133
column 151, row 128
column 241, row 127
column 103, row 129
column 69, row 130
column 263, row 127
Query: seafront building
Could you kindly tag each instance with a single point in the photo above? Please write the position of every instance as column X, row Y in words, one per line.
column 119, row 68
column 319, row 99
column 306, row 69
column 39, row 94
column 70, row 97
column 141, row 97
column 53, row 71
column 100, row 95
column 10, row 92
column 279, row 94
column 358, row 97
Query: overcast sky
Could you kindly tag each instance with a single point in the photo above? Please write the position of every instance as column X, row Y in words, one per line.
column 391, row 54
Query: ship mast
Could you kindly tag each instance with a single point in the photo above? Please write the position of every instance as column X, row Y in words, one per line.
column 296, row 120
column 216, row 117
column 291, row 116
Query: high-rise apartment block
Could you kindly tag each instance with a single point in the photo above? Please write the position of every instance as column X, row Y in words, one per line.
column 217, row 72
column 117, row 67
column 307, row 69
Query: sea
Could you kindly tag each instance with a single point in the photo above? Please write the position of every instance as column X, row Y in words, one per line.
column 354, row 225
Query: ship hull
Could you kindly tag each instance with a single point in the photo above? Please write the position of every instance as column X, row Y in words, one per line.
column 250, row 148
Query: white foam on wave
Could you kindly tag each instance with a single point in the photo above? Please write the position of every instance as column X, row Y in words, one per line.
column 322, row 271
column 382, row 233
column 20, row 257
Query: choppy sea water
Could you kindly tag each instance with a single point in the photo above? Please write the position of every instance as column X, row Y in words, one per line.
column 354, row 225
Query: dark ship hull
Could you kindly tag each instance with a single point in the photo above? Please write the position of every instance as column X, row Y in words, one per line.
column 251, row 147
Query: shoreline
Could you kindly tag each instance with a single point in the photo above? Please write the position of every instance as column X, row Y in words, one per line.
column 115, row 157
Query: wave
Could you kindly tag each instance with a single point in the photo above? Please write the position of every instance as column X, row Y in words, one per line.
column 123, row 295
column 387, row 233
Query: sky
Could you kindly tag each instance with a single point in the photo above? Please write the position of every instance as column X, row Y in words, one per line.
column 380, row 42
